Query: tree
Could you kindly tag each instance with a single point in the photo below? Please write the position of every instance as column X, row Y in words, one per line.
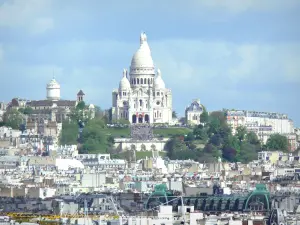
column 229, row 153
column 174, row 114
column 176, row 148
column 81, row 105
column 69, row 133
column 248, row 153
column 252, row 138
column 190, row 137
column 204, row 115
column 277, row 142
column 200, row 133
column 28, row 111
column 241, row 132
column 13, row 118
column 94, row 137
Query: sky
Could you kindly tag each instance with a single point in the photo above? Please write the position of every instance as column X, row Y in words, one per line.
column 229, row 54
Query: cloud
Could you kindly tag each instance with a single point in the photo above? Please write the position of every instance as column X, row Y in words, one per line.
column 185, row 64
column 29, row 14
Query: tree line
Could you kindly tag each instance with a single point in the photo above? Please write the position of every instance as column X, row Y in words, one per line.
column 213, row 138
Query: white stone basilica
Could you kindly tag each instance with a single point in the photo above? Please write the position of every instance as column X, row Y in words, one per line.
column 142, row 96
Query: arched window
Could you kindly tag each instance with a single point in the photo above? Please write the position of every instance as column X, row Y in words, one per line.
column 137, row 81
column 141, row 80
column 145, row 81
column 155, row 114
column 141, row 102
column 134, row 81
column 148, row 80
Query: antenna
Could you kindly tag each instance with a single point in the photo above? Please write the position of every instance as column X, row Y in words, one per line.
column 53, row 74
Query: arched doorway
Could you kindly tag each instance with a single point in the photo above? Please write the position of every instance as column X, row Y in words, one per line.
column 147, row 119
column 133, row 118
column 140, row 118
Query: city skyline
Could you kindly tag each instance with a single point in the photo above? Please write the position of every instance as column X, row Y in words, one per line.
column 230, row 55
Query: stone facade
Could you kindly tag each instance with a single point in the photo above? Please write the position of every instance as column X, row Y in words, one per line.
column 142, row 96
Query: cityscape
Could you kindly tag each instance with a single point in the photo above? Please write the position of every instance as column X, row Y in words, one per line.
column 148, row 154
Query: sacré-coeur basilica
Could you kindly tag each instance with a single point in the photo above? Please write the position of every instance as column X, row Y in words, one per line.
column 142, row 96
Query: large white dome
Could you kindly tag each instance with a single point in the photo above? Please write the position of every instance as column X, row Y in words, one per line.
column 124, row 83
column 53, row 84
column 159, row 82
column 53, row 90
column 142, row 58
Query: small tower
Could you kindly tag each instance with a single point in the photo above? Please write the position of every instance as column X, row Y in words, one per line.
column 80, row 96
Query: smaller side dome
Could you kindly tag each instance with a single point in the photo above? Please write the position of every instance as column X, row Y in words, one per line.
column 91, row 106
column 124, row 83
column 159, row 83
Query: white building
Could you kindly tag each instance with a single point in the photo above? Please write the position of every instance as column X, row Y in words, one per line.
column 193, row 113
column 53, row 90
column 142, row 96
column 262, row 123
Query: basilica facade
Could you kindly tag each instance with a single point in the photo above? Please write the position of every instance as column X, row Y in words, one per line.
column 142, row 96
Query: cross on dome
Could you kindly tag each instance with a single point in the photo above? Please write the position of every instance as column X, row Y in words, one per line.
column 143, row 38
column 158, row 72
column 124, row 73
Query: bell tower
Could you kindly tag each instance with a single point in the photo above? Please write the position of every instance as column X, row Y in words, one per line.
column 80, row 96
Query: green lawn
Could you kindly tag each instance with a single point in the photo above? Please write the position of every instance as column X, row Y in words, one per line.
column 172, row 131
column 166, row 132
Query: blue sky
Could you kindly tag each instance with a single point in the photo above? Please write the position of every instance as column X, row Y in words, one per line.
column 242, row 54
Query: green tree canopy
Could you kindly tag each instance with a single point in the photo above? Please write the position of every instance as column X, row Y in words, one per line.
column 81, row 105
column 204, row 116
column 241, row 133
column 252, row 138
column 174, row 114
column 69, row 133
column 28, row 111
column 13, row 118
column 277, row 142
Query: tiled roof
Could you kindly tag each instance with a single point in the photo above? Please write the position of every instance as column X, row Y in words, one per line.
column 80, row 93
column 40, row 103
column 66, row 103
column 48, row 103
column 195, row 106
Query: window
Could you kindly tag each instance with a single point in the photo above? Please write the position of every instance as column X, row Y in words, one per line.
column 145, row 81
column 141, row 103
column 141, row 80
